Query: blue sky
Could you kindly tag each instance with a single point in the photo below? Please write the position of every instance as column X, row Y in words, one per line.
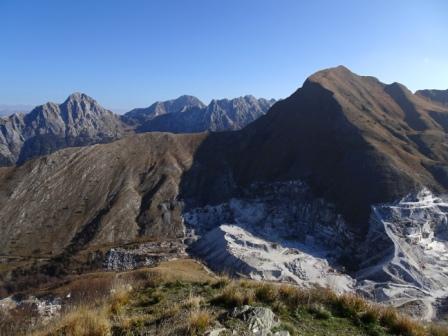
column 130, row 53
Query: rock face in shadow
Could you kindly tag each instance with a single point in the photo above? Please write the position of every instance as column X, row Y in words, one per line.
column 355, row 140
column 79, row 121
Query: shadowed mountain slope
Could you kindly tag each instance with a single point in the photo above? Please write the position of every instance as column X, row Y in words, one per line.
column 355, row 140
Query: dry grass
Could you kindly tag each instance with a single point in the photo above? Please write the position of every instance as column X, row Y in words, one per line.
column 266, row 292
column 350, row 305
column 436, row 330
column 120, row 296
column 82, row 321
column 405, row 326
column 17, row 321
column 221, row 281
column 195, row 309
column 171, row 311
column 186, row 270
column 93, row 316
column 83, row 287
column 193, row 302
column 235, row 296
column 198, row 321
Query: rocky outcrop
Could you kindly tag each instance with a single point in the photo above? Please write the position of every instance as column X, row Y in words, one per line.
column 143, row 255
column 79, row 121
column 259, row 320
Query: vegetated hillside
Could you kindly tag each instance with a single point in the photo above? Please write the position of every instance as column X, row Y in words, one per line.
column 219, row 115
column 103, row 194
column 79, row 121
column 181, row 298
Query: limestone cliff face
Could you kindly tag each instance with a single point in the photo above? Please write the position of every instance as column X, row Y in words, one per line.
column 79, row 121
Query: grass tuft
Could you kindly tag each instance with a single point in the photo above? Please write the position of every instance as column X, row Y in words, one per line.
column 120, row 296
column 199, row 321
column 319, row 311
column 234, row 296
column 266, row 293
column 193, row 302
column 82, row 321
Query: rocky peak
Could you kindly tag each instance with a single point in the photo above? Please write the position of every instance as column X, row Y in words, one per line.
column 78, row 121
column 78, row 97
column 139, row 116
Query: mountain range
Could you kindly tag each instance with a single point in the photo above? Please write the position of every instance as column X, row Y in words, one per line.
column 81, row 121
column 219, row 115
column 310, row 172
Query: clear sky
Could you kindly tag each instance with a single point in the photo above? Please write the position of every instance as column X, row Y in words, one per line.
column 129, row 53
